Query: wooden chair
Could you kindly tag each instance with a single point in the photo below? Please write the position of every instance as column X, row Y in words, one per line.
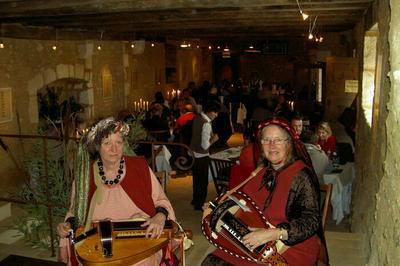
column 220, row 172
column 326, row 193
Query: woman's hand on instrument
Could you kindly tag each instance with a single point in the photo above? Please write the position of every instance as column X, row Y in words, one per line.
column 63, row 229
column 206, row 209
column 155, row 226
column 259, row 236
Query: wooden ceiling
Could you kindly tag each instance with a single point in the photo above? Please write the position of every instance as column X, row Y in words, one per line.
column 167, row 19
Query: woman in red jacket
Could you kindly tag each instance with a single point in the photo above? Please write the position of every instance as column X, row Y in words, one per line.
column 326, row 140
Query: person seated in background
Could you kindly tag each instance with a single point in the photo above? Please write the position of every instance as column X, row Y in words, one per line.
column 187, row 115
column 157, row 123
column 282, row 108
column 159, row 98
column 186, row 96
column 222, row 126
column 297, row 123
column 319, row 159
column 120, row 187
column 326, row 140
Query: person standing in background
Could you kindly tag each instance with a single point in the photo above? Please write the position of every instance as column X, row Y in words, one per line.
column 202, row 138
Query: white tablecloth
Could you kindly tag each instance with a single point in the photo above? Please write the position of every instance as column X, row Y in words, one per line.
column 227, row 154
column 162, row 159
column 341, row 191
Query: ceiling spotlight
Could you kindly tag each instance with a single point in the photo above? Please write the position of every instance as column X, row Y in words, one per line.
column 132, row 45
column 152, row 44
column 209, row 47
column 218, row 47
column 184, row 45
column 101, row 39
column 189, row 45
column 304, row 15
column 1, row 44
column 54, row 47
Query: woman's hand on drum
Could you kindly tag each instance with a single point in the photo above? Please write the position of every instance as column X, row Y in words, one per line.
column 259, row 236
column 155, row 226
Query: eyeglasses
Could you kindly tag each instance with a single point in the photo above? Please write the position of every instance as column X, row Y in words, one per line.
column 273, row 141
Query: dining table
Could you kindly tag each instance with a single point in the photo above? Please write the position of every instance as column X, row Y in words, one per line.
column 341, row 177
column 230, row 154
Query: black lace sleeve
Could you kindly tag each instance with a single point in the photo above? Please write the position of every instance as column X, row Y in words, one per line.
column 302, row 209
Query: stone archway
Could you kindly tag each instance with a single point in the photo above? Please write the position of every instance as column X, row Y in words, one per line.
column 77, row 72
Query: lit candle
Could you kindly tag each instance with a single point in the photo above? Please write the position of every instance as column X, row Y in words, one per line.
column 167, row 94
column 140, row 104
column 135, row 105
column 179, row 92
column 147, row 105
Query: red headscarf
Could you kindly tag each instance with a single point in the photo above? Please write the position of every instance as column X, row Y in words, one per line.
column 299, row 148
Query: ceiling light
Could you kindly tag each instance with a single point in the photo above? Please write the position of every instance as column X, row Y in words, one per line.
column 101, row 39
column 304, row 15
column 54, row 47
column 1, row 44
column 132, row 45
column 218, row 47
column 152, row 44
column 251, row 47
column 197, row 46
column 209, row 47
column 184, row 45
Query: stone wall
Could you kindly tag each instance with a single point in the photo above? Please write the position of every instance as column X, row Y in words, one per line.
column 376, row 200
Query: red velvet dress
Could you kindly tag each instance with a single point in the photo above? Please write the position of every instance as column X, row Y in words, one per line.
column 305, row 252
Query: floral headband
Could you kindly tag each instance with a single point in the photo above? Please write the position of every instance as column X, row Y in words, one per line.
column 120, row 126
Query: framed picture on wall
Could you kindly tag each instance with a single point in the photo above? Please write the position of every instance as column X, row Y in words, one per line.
column 5, row 105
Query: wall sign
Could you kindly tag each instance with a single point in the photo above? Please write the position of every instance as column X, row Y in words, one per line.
column 351, row 86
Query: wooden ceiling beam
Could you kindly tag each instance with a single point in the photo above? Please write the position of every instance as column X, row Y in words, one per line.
column 96, row 6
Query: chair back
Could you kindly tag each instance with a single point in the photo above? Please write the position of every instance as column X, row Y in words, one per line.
column 326, row 193
column 220, row 171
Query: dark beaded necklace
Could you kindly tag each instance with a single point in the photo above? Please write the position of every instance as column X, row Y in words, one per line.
column 116, row 179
